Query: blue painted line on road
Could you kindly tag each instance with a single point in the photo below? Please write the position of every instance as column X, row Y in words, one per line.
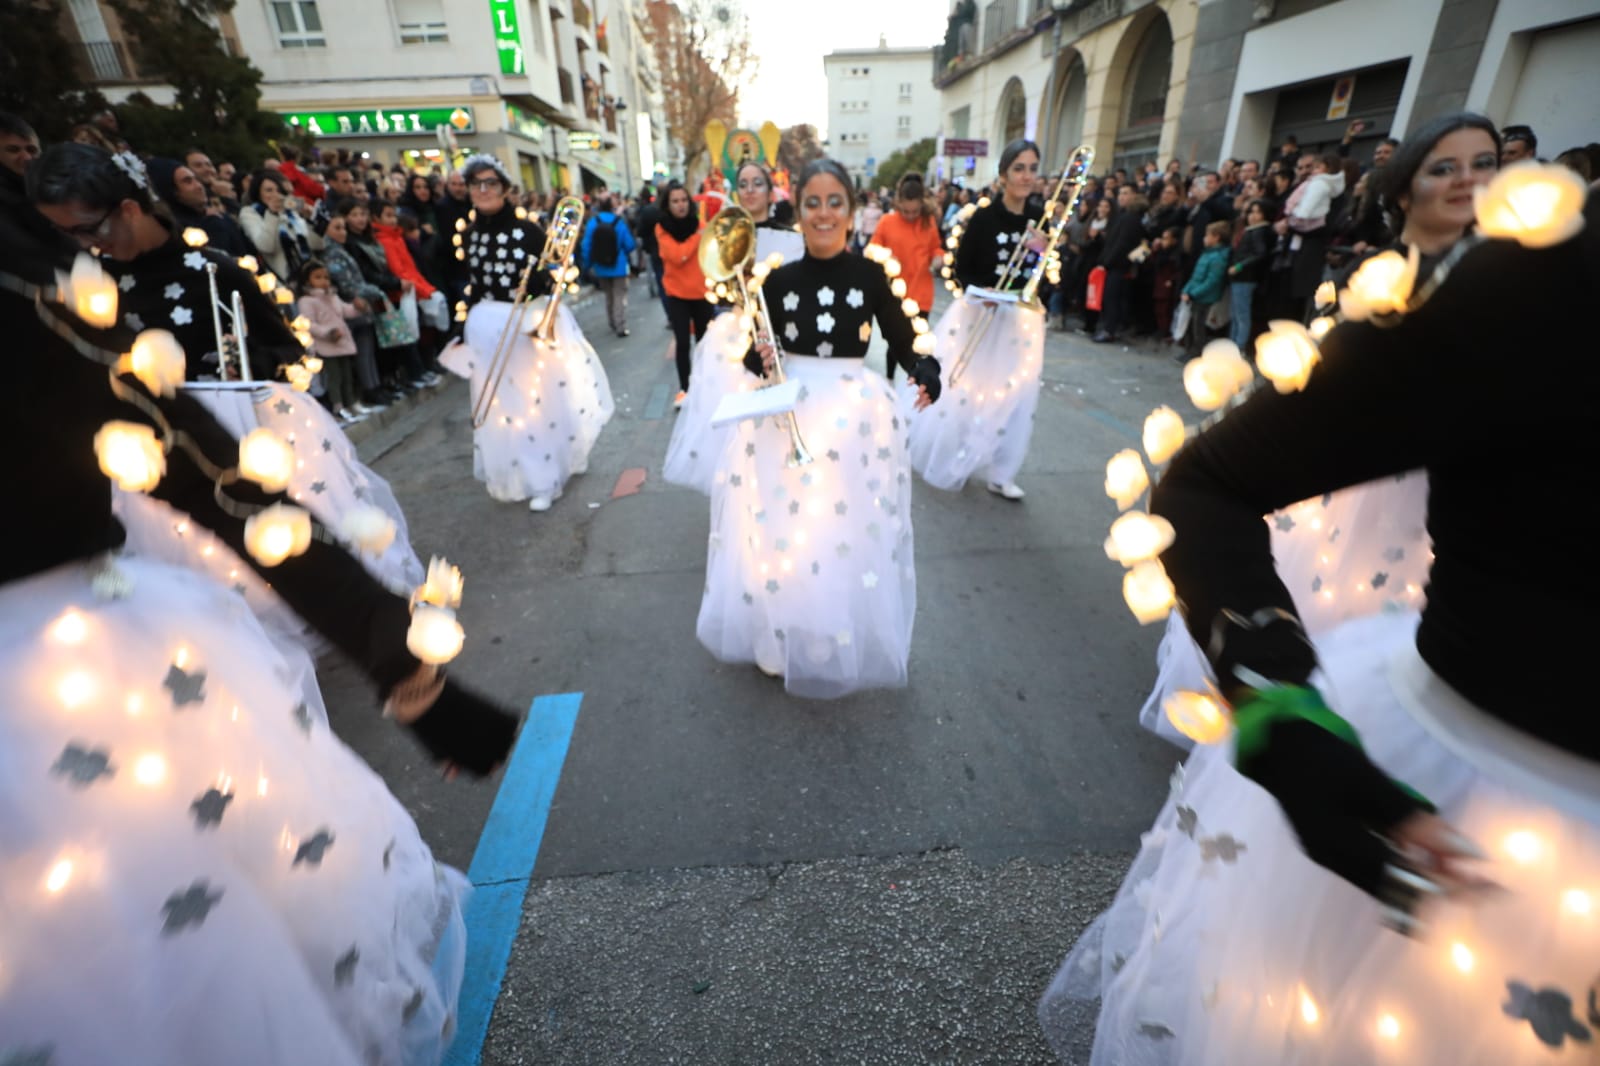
column 656, row 406
column 502, row 865
column 1107, row 419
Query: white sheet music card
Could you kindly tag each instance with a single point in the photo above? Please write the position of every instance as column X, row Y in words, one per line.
column 978, row 292
column 757, row 403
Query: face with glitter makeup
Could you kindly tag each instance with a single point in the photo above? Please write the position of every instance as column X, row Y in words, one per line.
column 755, row 191
column 1439, row 198
column 824, row 215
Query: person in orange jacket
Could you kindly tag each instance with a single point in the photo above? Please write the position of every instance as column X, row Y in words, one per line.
column 678, row 237
column 911, row 234
column 433, row 310
column 305, row 186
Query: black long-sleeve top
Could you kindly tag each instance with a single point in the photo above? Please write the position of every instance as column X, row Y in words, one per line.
column 826, row 307
column 169, row 288
column 1124, row 233
column 1490, row 387
column 499, row 248
column 57, row 399
column 987, row 244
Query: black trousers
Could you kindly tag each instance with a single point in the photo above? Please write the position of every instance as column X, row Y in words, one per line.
column 683, row 314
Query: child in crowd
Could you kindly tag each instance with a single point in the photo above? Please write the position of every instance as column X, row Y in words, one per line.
column 1165, row 271
column 331, row 338
column 1247, row 268
column 1205, row 284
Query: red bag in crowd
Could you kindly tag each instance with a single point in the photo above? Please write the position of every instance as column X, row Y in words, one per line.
column 1097, row 289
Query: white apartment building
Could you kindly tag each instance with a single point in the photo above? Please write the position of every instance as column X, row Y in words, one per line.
column 562, row 91
column 879, row 101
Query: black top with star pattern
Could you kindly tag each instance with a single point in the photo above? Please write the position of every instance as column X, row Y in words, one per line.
column 499, row 248
column 990, row 238
column 826, row 307
column 168, row 288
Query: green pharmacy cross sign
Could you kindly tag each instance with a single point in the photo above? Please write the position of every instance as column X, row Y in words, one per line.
column 508, row 36
column 385, row 122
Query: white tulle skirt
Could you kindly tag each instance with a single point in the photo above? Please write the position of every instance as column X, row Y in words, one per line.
column 1350, row 554
column 809, row 570
column 1226, row 945
column 696, row 446
column 193, row 868
column 552, row 401
column 984, row 420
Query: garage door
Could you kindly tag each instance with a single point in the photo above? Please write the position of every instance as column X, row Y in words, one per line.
column 1558, row 87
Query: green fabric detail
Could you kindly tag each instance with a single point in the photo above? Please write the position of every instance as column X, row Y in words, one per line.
column 1254, row 717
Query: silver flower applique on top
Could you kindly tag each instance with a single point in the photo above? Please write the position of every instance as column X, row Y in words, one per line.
column 854, row 298
column 791, row 301
column 825, row 322
column 825, row 296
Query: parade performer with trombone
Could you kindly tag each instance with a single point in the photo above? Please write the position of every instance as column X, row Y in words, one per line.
column 539, row 393
column 809, row 568
column 991, row 341
column 696, row 445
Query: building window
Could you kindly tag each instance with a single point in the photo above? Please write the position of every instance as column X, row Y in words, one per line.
column 904, row 122
column 299, row 25
column 421, row 21
column 905, row 90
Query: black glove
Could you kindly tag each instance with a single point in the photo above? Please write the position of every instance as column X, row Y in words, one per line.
column 1341, row 805
column 464, row 728
column 753, row 363
column 925, row 372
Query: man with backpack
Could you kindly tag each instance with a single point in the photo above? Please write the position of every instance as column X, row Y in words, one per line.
column 604, row 250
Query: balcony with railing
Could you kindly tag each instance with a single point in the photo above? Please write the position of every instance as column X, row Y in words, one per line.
column 970, row 42
column 101, row 62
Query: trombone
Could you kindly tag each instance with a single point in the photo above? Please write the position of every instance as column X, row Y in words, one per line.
column 556, row 256
column 727, row 250
column 1075, row 175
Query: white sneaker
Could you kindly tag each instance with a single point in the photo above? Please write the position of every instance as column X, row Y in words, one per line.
column 540, row 503
column 1010, row 490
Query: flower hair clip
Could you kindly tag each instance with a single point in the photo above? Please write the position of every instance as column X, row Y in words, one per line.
column 130, row 165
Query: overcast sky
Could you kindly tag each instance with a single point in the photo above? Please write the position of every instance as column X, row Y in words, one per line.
column 792, row 36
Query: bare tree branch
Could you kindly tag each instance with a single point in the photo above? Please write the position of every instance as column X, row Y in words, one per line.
column 702, row 50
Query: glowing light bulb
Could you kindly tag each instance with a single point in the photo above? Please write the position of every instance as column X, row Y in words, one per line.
column 1126, row 478
column 266, row 459
column 434, row 635
column 59, row 877
column 1200, row 716
column 130, row 455
column 1163, row 434
column 158, row 362
column 1462, row 958
column 71, row 627
column 150, row 770
column 443, row 586
column 1578, row 902
column 91, row 292
column 1136, row 537
column 1148, row 592
column 249, row 263
column 1286, row 354
column 276, row 533
column 1523, row 847
column 1308, row 1008
column 1389, row 1027
column 75, row 689
column 266, row 283
column 195, row 237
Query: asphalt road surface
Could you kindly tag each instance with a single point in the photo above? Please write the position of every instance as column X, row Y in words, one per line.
column 731, row 875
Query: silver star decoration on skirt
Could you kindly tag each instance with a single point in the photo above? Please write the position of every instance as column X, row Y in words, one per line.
column 302, row 717
column 319, row 487
column 1188, row 819
column 1155, row 1031
column 1283, row 522
column 388, row 853
column 772, row 585
column 833, row 454
column 283, row 406
column 327, row 445
column 83, row 766
column 210, row 807
column 794, row 506
column 869, row 580
column 344, row 970
column 312, row 850
column 413, row 1005
column 186, row 687
column 1548, row 1012
column 189, row 907
column 1380, row 579
column 842, row 550
column 841, row 508
column 1223, row 847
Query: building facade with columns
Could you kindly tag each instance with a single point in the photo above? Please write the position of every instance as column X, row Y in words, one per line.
column 1111, row 74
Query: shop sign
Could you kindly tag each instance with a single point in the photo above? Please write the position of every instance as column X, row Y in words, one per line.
column 578, row 141
column 524, row 124
column 508, row 36
column 384, row 122
column 954, row 147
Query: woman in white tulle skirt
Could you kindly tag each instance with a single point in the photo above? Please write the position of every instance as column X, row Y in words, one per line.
column 1395, row 856
column 990, row 346
column 553, row 397
column 809, row 570
column 718, row 361
column 193, row 867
